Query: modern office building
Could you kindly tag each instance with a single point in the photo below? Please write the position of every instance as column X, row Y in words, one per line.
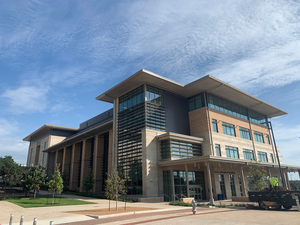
column 168, row 140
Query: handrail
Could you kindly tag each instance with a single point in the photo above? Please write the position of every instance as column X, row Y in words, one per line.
column 175, row 196
column 167, row 196
column 183, row 195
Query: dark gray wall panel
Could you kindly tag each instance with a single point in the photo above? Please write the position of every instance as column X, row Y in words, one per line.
column 177, row 114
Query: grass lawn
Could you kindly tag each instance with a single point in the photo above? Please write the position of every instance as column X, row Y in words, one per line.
column 41, row 201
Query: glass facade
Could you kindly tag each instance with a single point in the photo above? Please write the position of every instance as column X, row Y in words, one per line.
column 215, row 125
column 271, row 158
column 228, row 129
column 262, row 156
column 248, row 154
column 196, row 102
column 167, row 182
column 179, row 149
column 258, row 137
column 222, row 186
column 232, row 152
column 268, row 139
column 245, row 133
column 240, row 183
column 140, row 108
column 131, row 99
column 218, row 150
column 232, row 185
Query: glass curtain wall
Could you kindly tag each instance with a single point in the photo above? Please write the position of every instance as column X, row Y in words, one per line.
column 179, row 149
column 140, row 108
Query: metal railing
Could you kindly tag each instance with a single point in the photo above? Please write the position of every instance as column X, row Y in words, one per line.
column 167, row 197
column 22, row 220
column 174, row 197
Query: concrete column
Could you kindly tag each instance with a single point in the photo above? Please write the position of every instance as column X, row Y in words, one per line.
column 55, row 161
column 299, row 173
column 82, row 164
column 72, row 166
column 269, row 172
column 95, row 161
column 245, row 193
column 63, row 160
column 209, row 184
column 187, row 181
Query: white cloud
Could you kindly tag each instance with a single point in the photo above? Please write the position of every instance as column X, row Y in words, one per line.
column 8, row 127
column 15, row 147
column 26, row 99
column 287, row 138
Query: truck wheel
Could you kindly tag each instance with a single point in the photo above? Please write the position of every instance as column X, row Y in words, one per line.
column 287, row 206
column 262, row 205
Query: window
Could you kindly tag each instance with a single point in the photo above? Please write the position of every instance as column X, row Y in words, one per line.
column 271, row 158
column 228, row 129
column 232, row 152
column 262, row 156
column 268, row 139
column 179, row 149
column 196, row 102
column 231, row 179
column 240, row 182
column 215, row 125
column 259, row 137
column 248, row 154
column 245, row 133
column 218, row 150
column 131, row 99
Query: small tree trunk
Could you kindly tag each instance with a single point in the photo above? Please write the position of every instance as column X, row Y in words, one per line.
column 52, row 198
column 34, row 193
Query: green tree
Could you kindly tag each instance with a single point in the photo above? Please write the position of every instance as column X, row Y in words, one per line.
column 10, row 171
column 56, row 184
column 34, row 178
column 257, row 177
column 88, row 181
column 115, row 186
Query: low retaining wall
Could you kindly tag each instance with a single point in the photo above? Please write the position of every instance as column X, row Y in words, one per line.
column 240, row 199
column 186, row 200
column 154, row 199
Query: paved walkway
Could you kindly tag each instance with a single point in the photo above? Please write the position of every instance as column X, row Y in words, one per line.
column 163, row 214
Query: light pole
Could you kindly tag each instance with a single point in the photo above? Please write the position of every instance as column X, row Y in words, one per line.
column 273, row 137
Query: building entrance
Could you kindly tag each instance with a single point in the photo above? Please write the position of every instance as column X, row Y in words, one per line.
column 196, row 192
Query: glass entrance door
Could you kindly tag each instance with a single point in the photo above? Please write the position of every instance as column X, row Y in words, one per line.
column 196, row 192
column 222, row 186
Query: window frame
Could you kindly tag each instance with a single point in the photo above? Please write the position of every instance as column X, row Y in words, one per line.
column 228, row 129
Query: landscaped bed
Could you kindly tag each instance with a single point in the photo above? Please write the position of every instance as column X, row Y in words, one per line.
column 44, row 201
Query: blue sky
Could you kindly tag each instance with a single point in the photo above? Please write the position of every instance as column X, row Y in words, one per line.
column 57, row 56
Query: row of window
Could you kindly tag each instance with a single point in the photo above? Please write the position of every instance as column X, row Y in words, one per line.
column 232, row 152
column 229, row 129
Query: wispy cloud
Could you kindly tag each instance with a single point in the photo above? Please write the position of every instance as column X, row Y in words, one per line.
column 26, row 99
column 8, row 127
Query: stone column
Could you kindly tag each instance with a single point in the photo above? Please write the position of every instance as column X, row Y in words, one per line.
column 245, row 193
column 95, row 161
column 187, row 181
column 72, row 166
column 82, row 165
column 63, row 160
column 55, row 161
column 209, row 184
column 269, row 172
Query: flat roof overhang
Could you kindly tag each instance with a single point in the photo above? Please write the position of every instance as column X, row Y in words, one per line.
column 207, row 84
column 81, row 136
column 48, row 127
column 219, row 159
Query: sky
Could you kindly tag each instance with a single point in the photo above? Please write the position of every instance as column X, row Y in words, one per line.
column 57, row 56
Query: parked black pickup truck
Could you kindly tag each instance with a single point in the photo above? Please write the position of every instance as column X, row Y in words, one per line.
column 287, row 199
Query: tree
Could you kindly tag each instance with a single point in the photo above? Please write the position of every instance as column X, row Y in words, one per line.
column 34, row 177
column 56, row 184
column 10, row 170
column 115, row 186
column 88, row 181
column 256, row 178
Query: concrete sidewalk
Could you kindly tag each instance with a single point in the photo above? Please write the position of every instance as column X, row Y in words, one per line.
column 61, row 214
